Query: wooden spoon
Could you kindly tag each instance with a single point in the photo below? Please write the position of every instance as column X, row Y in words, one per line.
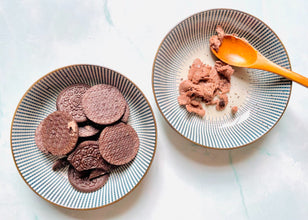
column 238, row 52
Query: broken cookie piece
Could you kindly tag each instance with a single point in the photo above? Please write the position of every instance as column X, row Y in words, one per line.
column 198, row 71
column 224, row 69
column 196, row 107
column 234, row 110
column 215, row 40
column 222, row 103
column 60, row 163
column 204, row 83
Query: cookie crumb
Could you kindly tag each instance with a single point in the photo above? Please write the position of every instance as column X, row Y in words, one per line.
column 234, row 110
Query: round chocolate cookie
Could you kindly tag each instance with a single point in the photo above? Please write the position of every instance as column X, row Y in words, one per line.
column 38, row 139
column 59, row 133
column 69, row 100
column 126, row 114
column 87, row 156
column 118, row 144
column 81, row 181
column 87, row 131
column 103, row 104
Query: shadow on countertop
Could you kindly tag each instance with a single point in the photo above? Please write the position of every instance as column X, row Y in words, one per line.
column 208, row 156
column 119, row 208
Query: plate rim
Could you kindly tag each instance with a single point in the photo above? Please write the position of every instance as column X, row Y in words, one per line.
column 22, row 98
column 160, row 46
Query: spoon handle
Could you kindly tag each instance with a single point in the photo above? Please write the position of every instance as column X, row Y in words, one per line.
column 265, row 64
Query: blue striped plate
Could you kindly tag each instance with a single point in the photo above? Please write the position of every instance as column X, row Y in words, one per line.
column 35, row 167
column 261, row 96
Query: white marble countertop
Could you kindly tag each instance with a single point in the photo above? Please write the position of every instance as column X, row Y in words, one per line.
column 265, row 180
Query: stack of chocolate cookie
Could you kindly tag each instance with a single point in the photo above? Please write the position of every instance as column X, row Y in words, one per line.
column 89, row 132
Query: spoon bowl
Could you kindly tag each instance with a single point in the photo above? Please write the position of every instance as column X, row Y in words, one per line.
column 238, row 52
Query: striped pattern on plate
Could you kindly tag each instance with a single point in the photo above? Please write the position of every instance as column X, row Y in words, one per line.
column 264, row 95
column 35, row 167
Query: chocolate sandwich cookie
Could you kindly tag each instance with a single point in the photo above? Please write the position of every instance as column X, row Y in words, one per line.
column 38, row 139
column 103, row 104
column 87, row 131
column 69, row 100
column 81, row 182
column 118, row 144
column 58, row 134
column 87, row 156
column 126, row 114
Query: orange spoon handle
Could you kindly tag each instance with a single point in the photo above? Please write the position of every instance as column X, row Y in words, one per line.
column 264, row 64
